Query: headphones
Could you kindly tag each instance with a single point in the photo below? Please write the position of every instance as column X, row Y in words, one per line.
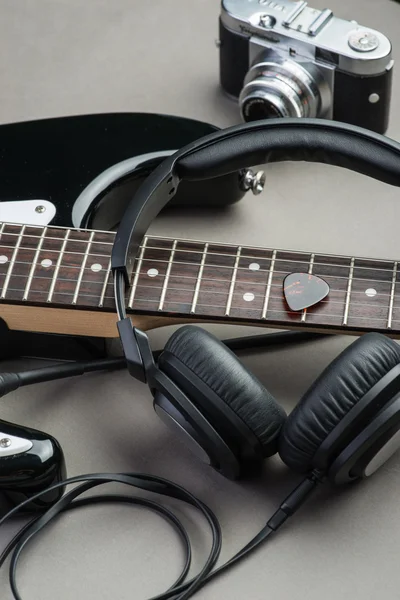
column 348, row 423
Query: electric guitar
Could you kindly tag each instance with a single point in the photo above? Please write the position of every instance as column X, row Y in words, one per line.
column 82, row 171
column 58, row 280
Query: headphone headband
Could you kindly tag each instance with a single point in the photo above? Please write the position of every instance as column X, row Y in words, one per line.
column 232, row 149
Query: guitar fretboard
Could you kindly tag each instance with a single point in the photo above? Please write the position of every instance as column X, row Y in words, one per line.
column 71, row 268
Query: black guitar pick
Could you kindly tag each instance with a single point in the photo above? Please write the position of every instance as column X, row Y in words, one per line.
column 303, row 290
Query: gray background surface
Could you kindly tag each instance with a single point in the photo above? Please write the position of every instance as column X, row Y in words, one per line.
column 64, row 57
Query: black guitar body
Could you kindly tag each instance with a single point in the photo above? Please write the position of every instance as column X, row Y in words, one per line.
column 81, row 171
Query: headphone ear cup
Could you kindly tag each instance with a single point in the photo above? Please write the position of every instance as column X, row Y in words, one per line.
column 336, row 391
column 235, row 403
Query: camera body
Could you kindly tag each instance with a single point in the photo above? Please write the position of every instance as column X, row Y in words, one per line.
column 285, row 59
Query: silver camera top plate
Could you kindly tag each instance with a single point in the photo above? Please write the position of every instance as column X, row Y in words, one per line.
column 302, row 29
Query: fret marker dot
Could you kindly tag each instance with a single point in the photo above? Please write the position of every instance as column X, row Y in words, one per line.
column 3, row 259
column 46, row 262
column 96, row 267
column 371, row 292
column 152, row 272
column 248, row 296
column 254, row 267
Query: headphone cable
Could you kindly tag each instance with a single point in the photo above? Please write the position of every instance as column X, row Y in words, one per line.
column 180, row 590
column 11, row 381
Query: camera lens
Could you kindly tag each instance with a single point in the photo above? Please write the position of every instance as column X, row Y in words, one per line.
column 276, row 87
column 258, row 107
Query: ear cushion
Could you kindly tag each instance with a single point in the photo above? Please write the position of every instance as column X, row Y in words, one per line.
column 341, row 385
column 228, row 378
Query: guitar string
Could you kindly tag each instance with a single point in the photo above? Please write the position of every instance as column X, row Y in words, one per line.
column 257, row 284
column 262, row 248
column 261, row 284
column 268, row 258
column 184, row 251
column 209, row 253
column 56, row 228
column 206, row 266
column 213, row 292
column 284, row 260
column 227, row 281
column 285, row 312
column 214, row 266
column 264, row 283
column 182, row 240
column 272, row 297
column 57, row 252
column 239, row 308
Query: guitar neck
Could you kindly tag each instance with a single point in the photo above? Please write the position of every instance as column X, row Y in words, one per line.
column 59, row 280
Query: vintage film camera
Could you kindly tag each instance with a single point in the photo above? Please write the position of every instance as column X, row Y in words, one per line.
column 286, row 59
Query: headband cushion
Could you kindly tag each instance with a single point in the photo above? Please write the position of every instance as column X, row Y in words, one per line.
column 211, row 362
column 340, row 386
column 277, row 140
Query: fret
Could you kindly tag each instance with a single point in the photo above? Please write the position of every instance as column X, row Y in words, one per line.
column 183, row 278
column 12, row 263
column 137, row 273
column 198, row 282
column 233, row 281
column 40, row 283
column 95, row 272
column 348, row 293
column 269, row 284
column 35, row 261
column 23, row 260
column 151, row 276
column 370, row 293
column 251, row 276
column 82, row 270
column 72, row 279
column 166, row 279
column 310, row 270
column 104, row 288
column 392, row 291
column 285, row 263
column 58, row 265
column 215, row 280
column 334, row 271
